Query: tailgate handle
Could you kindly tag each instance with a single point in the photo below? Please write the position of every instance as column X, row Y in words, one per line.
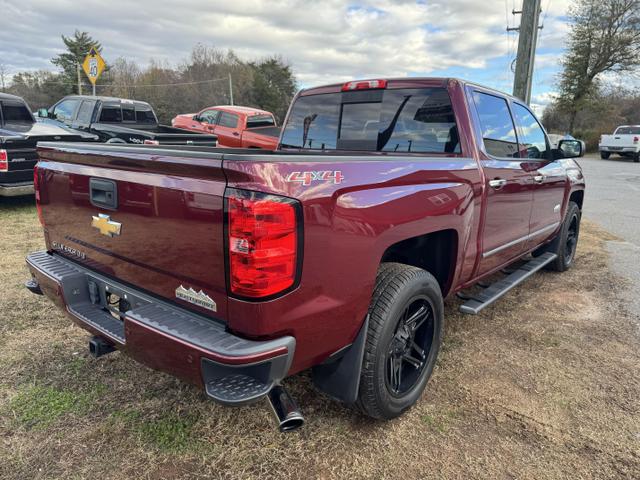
column 103, row 193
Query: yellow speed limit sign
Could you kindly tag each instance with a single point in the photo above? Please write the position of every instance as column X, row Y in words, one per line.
column 93, row 65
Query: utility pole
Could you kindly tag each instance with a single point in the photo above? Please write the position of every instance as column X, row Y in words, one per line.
column 526, row 49
column 79, row 78
column 230, row 90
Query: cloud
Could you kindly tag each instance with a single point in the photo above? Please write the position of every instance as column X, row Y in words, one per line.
column 325, row 41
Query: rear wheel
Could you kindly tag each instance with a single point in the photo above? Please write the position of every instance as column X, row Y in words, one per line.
column 604, row 155
column 636, row 157
column 406, row 319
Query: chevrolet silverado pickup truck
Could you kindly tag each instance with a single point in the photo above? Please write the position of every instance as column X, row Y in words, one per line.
column 19, row 133
column 119, row 120
column 625, row 141
column 333, row 253
column 234, row 126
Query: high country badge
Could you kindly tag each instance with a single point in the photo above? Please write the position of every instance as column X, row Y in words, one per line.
column 197, row 298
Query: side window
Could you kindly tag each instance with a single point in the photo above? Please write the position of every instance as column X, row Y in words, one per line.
column 128, row 113
column 85, row 112
column 533, row 143
column 210, row 116
column 111, row 114
column 228, row 120
column 498, row 132
column 64, row 111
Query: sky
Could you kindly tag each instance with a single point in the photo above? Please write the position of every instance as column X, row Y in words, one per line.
column 324, row 41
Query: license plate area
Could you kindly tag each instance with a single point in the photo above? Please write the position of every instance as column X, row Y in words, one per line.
column 113, row 299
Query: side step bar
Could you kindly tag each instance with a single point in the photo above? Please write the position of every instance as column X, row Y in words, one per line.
column 492, row 293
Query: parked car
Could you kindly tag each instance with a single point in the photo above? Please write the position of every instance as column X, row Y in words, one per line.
column 118, row 120
column 333, row 253
column 19, row 134
column 234, row 126
column 625, row 141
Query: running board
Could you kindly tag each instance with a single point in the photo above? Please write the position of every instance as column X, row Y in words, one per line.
column 492, row 293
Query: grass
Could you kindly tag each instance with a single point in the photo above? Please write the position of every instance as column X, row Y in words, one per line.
column 39, row 407
column 544, row 385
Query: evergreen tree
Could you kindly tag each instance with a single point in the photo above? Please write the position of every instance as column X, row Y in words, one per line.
column 78, row 46
column 273, row 86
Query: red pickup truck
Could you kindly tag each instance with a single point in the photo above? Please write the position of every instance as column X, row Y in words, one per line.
column 235, row 126
column 333, row 253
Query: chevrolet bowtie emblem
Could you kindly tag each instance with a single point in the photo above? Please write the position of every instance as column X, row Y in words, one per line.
column 106, row 226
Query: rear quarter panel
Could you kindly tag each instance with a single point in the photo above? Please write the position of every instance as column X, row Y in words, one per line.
column 380, row 201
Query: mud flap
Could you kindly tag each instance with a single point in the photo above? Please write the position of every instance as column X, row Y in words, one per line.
column 340, row 378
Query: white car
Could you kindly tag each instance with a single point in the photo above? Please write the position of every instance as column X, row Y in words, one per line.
column 625, row 141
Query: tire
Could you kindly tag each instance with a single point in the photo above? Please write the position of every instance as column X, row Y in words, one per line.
column 605, row 155
column 565, row 243
column 636, row 157
column 402, row 293
column 115, row 140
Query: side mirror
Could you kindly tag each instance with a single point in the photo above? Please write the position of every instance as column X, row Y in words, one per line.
column 571, row 148
column 43, row 113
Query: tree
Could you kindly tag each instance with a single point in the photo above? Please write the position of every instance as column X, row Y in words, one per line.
column 40, row 89
column 78, row 46
column 273, row 86
column 605, row 37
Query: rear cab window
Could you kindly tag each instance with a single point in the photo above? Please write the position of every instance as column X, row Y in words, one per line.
column 15, row 112
column 408, row 120
column 255, row 121
column 627, row 131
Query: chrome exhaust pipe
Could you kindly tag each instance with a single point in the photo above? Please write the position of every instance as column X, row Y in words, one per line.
column 285, row 409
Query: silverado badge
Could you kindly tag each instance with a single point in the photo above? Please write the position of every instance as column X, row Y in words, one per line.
column 197, row 298
column 106, row 226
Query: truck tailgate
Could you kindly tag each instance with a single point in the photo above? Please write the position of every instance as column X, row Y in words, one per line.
column 155, row 221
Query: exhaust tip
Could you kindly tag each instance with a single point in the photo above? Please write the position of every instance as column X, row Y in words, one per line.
column 285, row 409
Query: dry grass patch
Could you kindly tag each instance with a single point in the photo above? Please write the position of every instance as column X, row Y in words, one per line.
column 545, row 384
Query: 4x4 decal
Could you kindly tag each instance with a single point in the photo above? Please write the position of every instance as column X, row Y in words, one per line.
column 323, row 176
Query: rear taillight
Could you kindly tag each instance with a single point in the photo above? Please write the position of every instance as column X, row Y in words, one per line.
column 364, row 85
column 36, row 189
column 151, row 142
column 636, row 139
column 264, row 243
column 4, row 161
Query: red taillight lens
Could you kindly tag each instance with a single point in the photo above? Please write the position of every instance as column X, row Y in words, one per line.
column 364, row 85
column 636, row 139
column 4, row 161
column 151, row 142
column 36, row 188
column 263, row 243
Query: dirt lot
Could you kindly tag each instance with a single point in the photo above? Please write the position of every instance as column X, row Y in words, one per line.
column 546, row 384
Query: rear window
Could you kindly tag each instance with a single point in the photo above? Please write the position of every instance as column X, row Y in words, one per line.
column 16, row 113
column 111, row 114
column 628, row 131
column 397, row 120
column 145, row 116
column 127, row 113
column 255, row 121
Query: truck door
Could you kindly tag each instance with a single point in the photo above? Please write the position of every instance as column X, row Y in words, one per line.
column 83, row 117
column 509, row 188
column 228, row 130
column 207, row 123
column 548, row 176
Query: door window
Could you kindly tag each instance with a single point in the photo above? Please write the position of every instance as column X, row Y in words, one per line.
column 64, row 110
column 498, row 132
column 533, row 142
column 210, row 116
column 85, row 112
column 228, row 120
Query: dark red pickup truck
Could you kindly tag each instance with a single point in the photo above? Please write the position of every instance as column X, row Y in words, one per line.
column 233, row 269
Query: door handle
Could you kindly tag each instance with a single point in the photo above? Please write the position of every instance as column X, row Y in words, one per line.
column 235, row 134
column 538, row 178
column 497, row 183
